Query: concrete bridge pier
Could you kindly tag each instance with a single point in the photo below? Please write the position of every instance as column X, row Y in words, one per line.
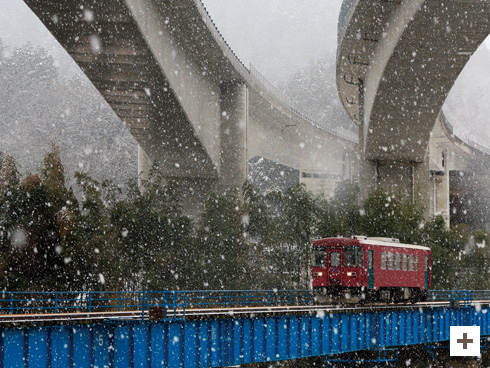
column 410, row 179
column 194, row 190
column 229, row 172
column 233, row 168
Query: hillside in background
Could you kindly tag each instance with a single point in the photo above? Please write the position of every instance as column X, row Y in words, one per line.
column 39, row 107
column 314, row 92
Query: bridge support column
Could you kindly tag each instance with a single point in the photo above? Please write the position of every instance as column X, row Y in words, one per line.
column 233, row 135
column 439, row 194
column 411, row 179
column 194, row 190
column 233, row 164
column 145, row 165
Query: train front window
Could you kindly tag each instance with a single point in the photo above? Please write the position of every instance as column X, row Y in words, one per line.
column 353, row 256
column 319, row 256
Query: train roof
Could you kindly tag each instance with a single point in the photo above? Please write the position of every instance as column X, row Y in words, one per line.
column 375, row 241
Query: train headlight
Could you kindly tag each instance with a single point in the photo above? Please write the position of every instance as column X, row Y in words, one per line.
column 351, row 274
column 318, row 274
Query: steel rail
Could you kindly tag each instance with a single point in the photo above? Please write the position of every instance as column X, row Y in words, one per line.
column 17, row 319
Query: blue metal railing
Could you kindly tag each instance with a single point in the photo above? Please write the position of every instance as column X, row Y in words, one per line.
column 458, row 297
column 174, row 303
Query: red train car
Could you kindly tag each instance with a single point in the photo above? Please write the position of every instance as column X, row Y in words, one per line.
column 371, row 269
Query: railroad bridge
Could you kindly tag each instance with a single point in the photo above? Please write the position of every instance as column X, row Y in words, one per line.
column 219, row 328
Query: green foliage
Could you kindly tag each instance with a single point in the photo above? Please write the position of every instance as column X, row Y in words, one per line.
column 341, row 214
column 219, row 246
column 30, row 241
column 153, row 235
column 391, row 215
column 141, row 239
column 281, row 227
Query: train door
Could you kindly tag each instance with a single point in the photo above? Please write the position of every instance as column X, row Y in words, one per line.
column 334, row 266
column 426, row 272
column 370, row 269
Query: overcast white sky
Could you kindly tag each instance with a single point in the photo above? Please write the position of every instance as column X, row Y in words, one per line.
column 279, row 37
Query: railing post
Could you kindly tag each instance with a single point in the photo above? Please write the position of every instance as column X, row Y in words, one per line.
column 174, row 303
column 270, row 298
column 120, row 301
column 183, row 307
column 11, row 303
column 289, row 297
column 56, row 303
column 246, row 298
column 90, row 302
column 143, row 306
column 202, row 300
column 227, row 300
column 307, row 297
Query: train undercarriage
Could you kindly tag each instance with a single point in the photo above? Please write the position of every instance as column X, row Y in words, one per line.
column 361, row 295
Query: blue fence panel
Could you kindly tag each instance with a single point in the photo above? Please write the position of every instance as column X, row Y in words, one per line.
column 38, row 349
column 227, row 341
column 14, row 348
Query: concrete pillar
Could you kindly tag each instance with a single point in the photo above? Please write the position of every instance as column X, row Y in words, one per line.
column 411, row 179
column 233, row 169
column 440, row 192
column 368, row 170
column 232, row 142
column 422, row 184
column 145, row 165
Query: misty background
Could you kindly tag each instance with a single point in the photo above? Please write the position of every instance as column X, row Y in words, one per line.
column 45, row 98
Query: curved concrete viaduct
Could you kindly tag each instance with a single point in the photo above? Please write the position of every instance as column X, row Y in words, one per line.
column 397, row 61
column 194, row 109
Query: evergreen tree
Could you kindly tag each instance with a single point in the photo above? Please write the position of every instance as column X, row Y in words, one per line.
column 92, row 249
column 391, row 215
column 31, row 243
column 154, row 236
column 219, row 245
column 340, row 215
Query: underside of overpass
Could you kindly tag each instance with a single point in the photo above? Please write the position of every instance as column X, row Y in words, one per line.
column 196, row 112
column 396, row 63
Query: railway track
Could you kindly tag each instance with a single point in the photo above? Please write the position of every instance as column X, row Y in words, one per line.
column 179, row 314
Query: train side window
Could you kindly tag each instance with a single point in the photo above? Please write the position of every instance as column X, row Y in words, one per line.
column 405, row 262
column 398, row 261
column 411, row 263
column 335, row 259
column 416, row 263
column 390, row 261
column 383, row 261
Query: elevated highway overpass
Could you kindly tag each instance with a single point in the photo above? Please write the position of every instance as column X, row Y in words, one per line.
column 200, row 115
column 196, row 112
column 396, row 62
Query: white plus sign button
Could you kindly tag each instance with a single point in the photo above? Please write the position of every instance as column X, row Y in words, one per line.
column 464, row 341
